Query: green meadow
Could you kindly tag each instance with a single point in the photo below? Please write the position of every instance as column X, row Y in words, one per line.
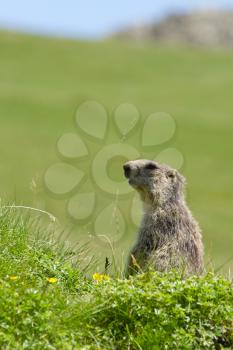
column 43, row 80
column 48, row 302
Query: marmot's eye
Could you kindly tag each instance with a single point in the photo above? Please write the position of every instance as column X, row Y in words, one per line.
column 151, row 166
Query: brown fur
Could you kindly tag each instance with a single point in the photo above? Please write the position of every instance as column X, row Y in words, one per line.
column 168, row 237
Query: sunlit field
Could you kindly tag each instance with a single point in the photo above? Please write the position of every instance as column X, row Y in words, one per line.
column 44, row 80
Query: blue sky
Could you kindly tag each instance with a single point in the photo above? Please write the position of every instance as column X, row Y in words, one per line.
column 90, row 18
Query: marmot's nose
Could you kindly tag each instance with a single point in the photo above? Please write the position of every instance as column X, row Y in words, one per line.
column 127, row 170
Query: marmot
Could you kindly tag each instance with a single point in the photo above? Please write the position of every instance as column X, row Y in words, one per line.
column 168, row 237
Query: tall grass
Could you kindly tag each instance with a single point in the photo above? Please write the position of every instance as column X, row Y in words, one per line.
column 47, row 301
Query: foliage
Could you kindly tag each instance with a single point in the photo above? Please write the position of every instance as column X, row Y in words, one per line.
column 47, row 302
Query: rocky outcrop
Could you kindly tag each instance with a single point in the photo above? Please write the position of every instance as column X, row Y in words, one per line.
column 208, row 28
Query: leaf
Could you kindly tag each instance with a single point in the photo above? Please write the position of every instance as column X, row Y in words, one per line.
column 126, row 117
column 110, row 224
column 92, row 118
column 62, row 178
column 71, row 146
column 81, row 205
column 158, row 128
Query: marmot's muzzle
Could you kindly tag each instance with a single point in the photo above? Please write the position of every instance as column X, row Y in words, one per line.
column 127, row 170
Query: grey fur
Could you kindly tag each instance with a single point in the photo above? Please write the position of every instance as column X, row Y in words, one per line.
column 168, row 237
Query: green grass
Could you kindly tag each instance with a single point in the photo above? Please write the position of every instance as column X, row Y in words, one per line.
column 148, row 311
column 43, row 81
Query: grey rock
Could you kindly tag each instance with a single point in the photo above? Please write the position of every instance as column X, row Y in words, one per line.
column 203, row 28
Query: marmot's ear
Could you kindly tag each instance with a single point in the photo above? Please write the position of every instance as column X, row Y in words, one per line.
column 175, row 175
column 181, row 178
column 171, row 173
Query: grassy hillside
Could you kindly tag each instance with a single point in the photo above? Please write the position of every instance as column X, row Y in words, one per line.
column 47, row 302
column 43, row 81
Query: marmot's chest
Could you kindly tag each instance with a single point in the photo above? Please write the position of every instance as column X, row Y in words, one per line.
column 155, row 226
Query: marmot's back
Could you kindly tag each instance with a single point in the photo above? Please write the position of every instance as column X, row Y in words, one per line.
column 168, row 236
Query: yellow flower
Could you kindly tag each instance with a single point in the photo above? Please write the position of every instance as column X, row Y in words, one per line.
column 99, row 278
column 52, row 279
column 13, row 278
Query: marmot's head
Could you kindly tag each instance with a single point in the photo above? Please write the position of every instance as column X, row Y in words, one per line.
column 157, row 184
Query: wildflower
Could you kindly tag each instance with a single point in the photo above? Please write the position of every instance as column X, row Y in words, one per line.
column 99, row 278
column 52, row 279
column 13, row 278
